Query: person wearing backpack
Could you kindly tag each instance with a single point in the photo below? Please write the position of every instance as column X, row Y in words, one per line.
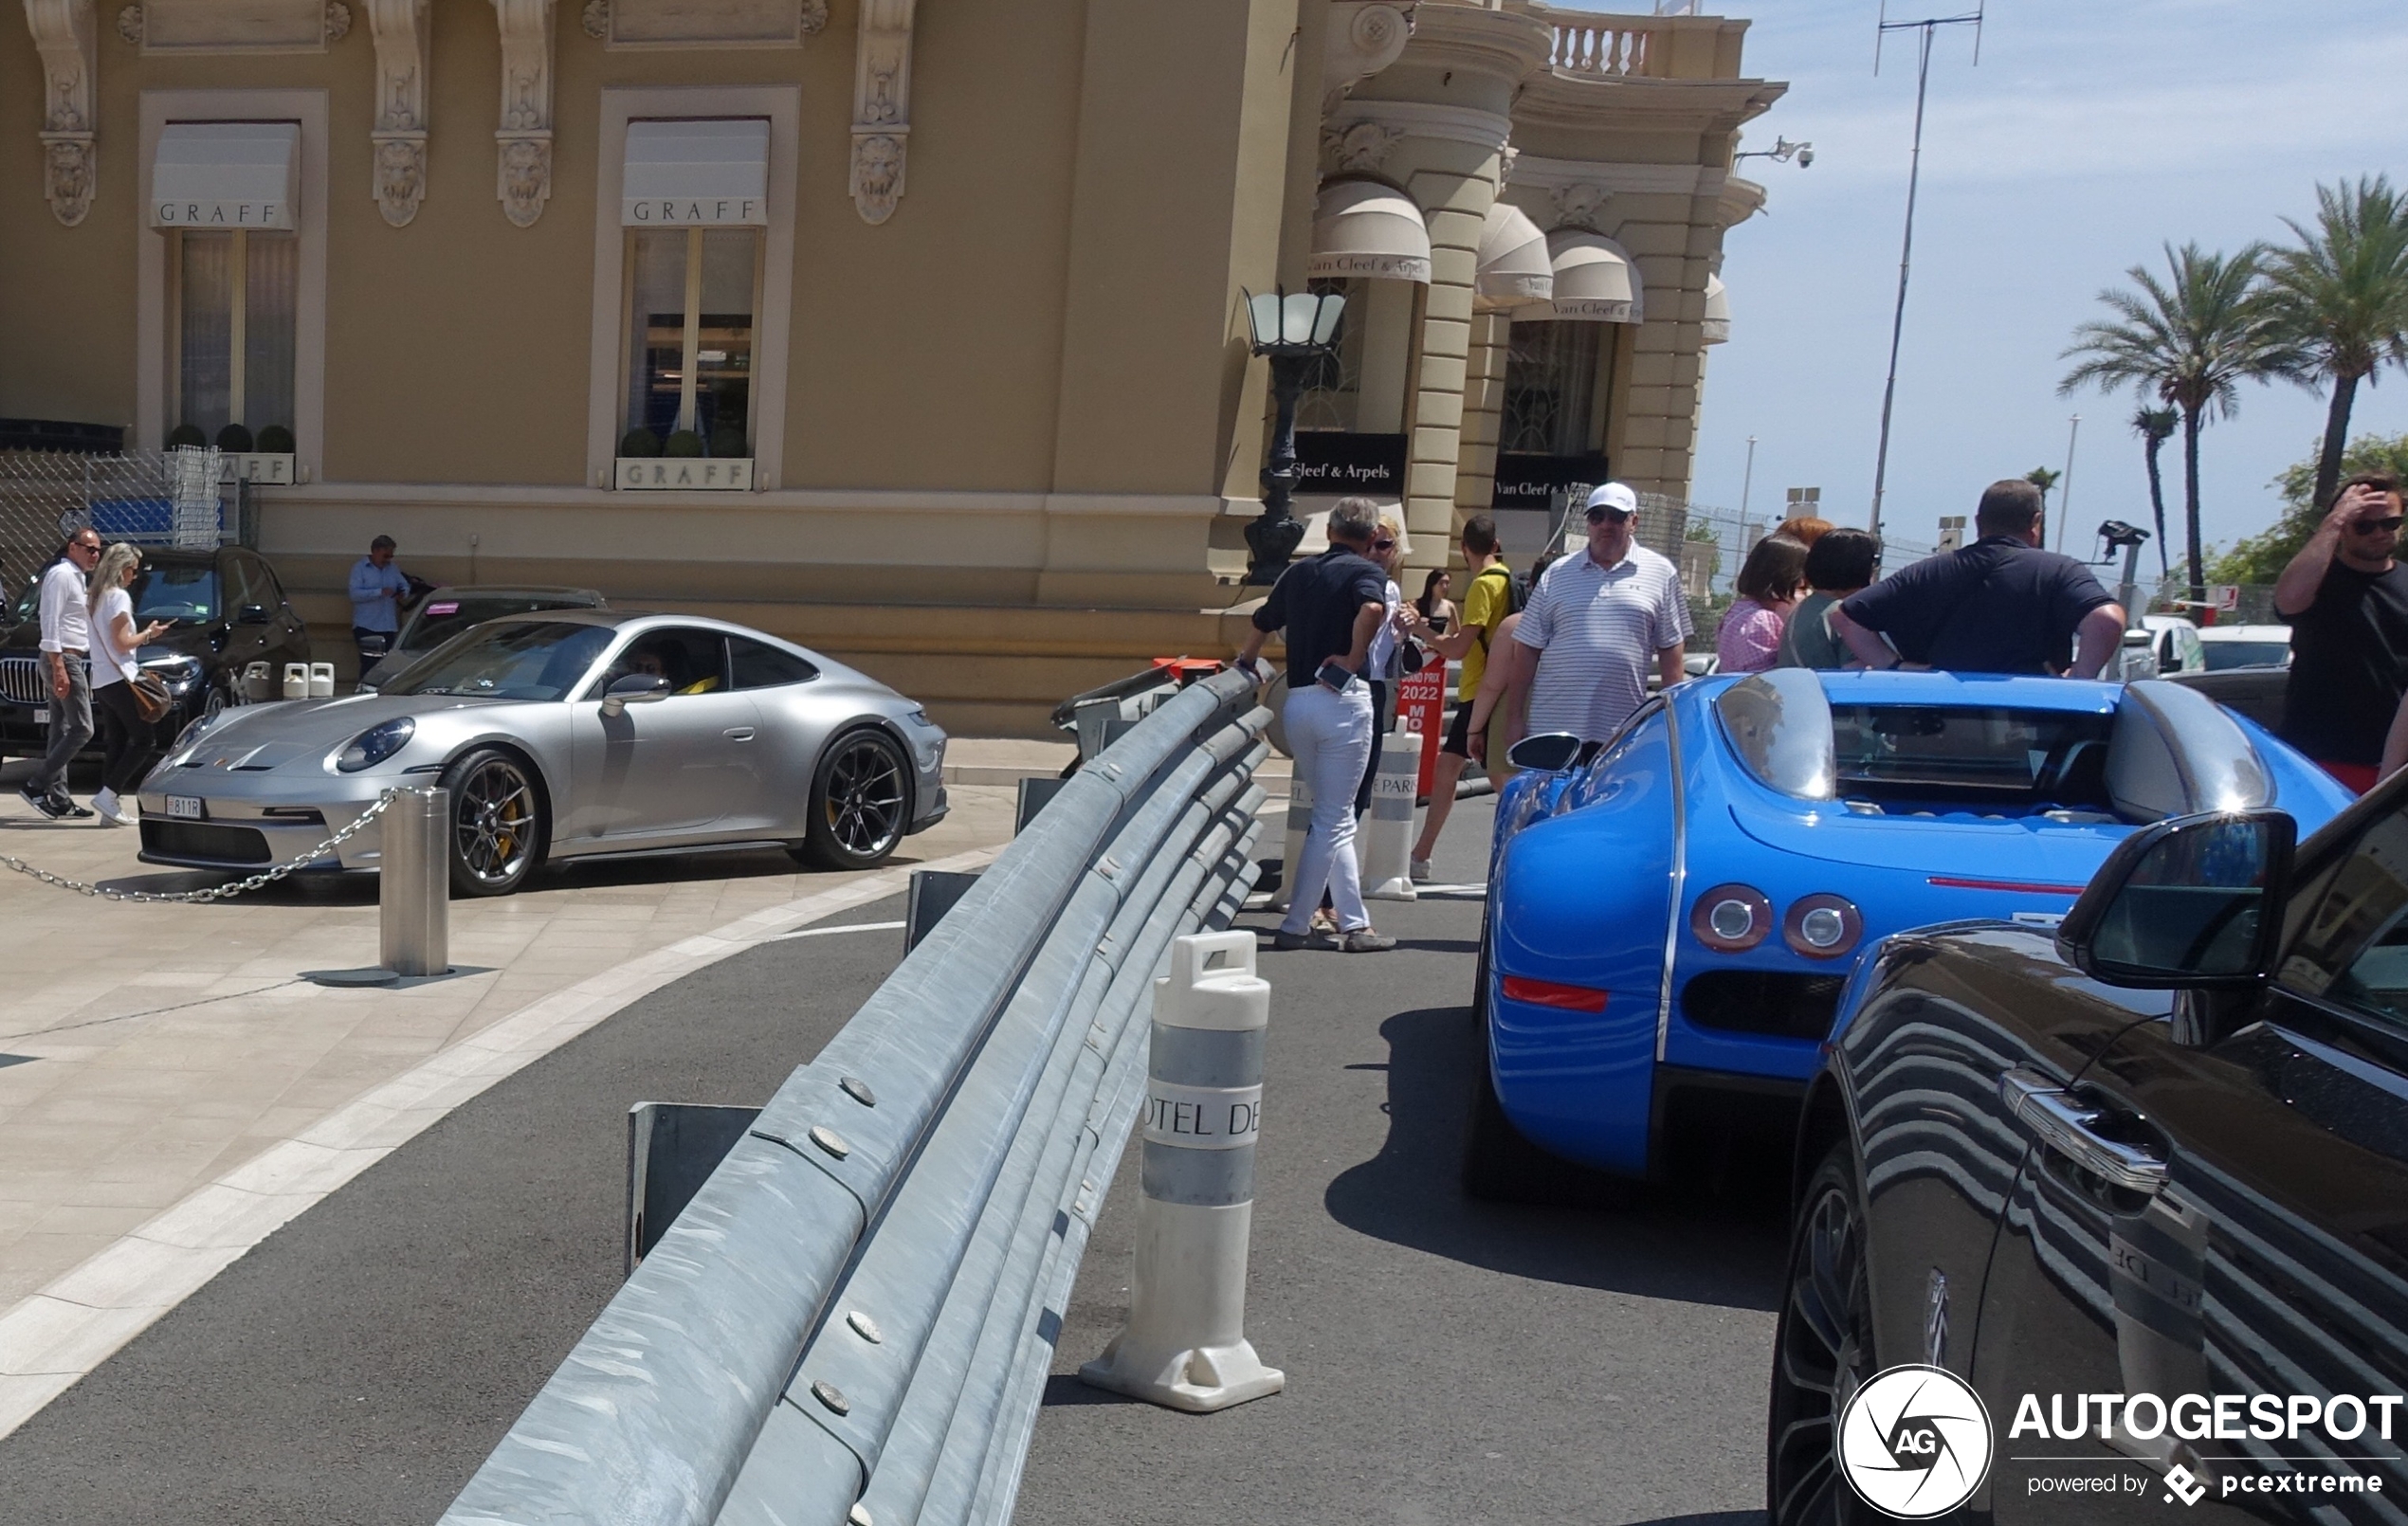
column 1492, row 593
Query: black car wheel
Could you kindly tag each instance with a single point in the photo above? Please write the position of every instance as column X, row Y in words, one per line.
column 1501, row 1165
column 1822, row 1352
column 860, row 802
column 497, row 827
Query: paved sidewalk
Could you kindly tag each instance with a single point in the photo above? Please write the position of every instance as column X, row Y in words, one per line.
column 147, row 1050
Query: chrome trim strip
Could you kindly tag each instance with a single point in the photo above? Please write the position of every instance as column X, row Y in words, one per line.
column 1680, row 873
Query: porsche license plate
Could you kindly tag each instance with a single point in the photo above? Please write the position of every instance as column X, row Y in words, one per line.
column 185, row 808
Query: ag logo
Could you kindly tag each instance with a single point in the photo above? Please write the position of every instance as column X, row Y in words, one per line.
column 1914, row 1443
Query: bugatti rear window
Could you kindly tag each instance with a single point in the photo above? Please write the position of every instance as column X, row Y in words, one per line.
column 1987, row 752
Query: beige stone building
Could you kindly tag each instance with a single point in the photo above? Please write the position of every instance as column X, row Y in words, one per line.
column 920, row 338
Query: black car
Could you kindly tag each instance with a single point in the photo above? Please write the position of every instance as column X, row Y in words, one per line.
column 445, row 613
column 230, row 611
column 2139, row 1180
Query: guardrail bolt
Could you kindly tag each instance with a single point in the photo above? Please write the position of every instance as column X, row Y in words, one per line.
column 859, row 1090
column 864, row 1327
column 832, row 1396
column 1185, row 1345
column 830, row 1140
column 858, row 1514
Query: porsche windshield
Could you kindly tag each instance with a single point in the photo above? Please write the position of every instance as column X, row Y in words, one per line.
column 1992, row 752
column 529, row 660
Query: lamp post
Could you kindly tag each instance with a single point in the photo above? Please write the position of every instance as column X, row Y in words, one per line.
column 1294, row 331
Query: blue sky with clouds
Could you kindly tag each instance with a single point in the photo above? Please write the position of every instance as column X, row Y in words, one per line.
column 2090, row 134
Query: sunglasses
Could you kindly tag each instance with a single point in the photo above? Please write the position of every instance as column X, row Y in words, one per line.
column 2367, row 527
column 1600, row 514
column 1383, row 545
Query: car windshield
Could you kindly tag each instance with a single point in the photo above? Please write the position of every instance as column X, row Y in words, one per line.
column 531, row 659
column 1989, row 752
column 443, row 616
column 187, row 593
column 184, row 592
column 2224, row 654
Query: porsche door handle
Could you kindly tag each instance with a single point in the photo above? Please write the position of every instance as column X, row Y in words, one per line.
column 739, row 733
column 2069, row 1128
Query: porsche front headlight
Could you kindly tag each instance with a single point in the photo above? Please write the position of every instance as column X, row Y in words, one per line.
column 374, row 745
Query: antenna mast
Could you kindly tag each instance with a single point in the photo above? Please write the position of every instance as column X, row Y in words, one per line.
column 1925, row 28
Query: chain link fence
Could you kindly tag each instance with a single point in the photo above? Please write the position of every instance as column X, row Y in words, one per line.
column 173, row 497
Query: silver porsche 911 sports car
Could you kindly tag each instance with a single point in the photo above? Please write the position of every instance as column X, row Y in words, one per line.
column 566, row 735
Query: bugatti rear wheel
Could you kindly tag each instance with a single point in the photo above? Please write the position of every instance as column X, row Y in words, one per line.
column 1822, row 1352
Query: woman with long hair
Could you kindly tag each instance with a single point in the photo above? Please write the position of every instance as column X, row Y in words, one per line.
column 129, row 744
column 1437, row 610
column 1749, row 640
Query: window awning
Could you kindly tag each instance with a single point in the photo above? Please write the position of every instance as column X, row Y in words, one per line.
column 707, row 173
column 1717, row 327
column 1595, row 279
column 226, row 175
column 1514, row 267
column 1361, row 228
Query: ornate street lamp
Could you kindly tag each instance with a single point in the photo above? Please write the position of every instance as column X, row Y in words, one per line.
column 1294, row 331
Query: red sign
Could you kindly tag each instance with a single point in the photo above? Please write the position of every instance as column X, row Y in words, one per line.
column 1422, row 697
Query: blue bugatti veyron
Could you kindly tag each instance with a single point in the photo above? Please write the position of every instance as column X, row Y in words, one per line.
column 1670, row 920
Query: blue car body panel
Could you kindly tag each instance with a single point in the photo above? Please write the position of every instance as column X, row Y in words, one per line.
column 1596, row 871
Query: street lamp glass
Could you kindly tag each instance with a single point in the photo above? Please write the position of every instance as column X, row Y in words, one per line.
column 1262, row 317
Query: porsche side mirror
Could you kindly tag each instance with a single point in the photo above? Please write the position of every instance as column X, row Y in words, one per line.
column 251, row 614
column 633, row 689
column 1547, row 753
column 2191, row 902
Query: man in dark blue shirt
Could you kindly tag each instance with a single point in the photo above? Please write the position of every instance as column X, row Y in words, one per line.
column 1330, row 605
column 2001, row 604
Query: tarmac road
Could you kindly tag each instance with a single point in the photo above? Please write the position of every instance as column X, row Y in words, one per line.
column 1447, row 1361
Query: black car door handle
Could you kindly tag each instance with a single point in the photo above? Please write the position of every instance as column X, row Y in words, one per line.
column 2070, row 1129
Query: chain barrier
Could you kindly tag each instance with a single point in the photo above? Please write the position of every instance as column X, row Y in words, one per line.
column 259, row 881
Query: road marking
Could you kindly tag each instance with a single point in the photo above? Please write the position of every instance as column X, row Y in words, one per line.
column 849, row 927
column 55, row 1337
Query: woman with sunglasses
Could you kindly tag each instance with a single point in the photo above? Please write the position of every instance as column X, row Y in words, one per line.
column 2346, row 598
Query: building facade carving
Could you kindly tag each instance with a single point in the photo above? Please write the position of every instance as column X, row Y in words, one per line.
column 523, row 141
column 1365, row 37
column 64, row 35
column 882, row 108
column 402, row 31
column 1357, row 148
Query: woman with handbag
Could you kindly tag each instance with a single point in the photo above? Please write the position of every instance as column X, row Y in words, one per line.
column 130, row 703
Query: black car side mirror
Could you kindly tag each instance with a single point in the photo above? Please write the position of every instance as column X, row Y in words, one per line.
column 633, row 688
column 1546, row 753
column 251, row 614
column 2191, row 902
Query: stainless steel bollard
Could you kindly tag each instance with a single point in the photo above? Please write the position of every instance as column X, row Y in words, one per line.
column 1185, row 1345
column 415, row 898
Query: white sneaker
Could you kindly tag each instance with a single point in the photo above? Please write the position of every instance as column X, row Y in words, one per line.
column 1421, row 872
column 108, row 807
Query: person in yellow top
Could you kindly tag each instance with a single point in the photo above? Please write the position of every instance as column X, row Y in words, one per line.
column 1491, row 595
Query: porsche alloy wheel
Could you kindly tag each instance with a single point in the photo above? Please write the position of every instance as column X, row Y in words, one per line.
column 497, row 823
column 1822, row 1352
column 861, row 801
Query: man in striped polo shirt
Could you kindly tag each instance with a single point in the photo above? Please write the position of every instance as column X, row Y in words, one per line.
column 1598, row 619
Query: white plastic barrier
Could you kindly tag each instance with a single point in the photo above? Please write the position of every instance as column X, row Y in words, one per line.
column 1299, row 817
column 322, row 680
column 1185, row 1345
column 296, row 681
column 1387, row 833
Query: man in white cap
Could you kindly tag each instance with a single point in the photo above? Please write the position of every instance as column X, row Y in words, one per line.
column 1600, row 617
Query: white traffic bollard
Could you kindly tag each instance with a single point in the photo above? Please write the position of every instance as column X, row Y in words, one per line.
column 296, row 681
column 1299, row 817
column 1185, row 1344
column 322, row 680
column 1387, row 834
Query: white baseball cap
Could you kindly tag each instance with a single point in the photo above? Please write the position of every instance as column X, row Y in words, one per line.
column 1613, row 495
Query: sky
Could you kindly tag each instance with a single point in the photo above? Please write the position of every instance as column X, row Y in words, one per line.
column 2091, row 135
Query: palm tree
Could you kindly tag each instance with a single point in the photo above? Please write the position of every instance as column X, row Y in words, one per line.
column 2190, row 340
column 2155, row 425
column 2341, row 299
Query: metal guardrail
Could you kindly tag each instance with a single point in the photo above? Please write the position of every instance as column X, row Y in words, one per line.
column 853, row 1320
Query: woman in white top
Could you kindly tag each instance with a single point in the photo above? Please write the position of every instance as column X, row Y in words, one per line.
column 129, row 744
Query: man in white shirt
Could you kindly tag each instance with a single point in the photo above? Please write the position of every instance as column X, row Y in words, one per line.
column 1598, row 619
column 66, row 637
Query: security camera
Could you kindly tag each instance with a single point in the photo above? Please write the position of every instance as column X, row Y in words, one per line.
column 2116, row 532
column 1805, row 156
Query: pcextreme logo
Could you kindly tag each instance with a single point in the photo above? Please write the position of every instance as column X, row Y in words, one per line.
column 1915, row 1442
